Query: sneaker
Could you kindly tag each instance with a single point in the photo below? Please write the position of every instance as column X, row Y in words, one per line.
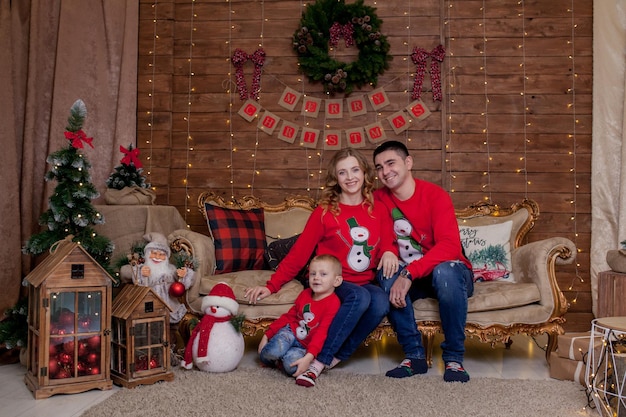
column 408, row 367
column 333, row 363
column 306, row 379
column 455, row 373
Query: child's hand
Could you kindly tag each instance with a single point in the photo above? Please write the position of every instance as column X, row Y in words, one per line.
column 302, row 364
column 262, row 343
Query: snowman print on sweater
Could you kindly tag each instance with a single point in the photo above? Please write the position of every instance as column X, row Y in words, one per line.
column 359, row 256
column 409, row 249
column 306, row 324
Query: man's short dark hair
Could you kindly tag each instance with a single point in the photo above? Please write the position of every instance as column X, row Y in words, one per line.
column 392, row 145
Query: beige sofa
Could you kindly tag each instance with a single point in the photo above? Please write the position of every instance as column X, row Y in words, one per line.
column 532, row 304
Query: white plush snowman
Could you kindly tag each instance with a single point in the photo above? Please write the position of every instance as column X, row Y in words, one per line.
column 215, row 345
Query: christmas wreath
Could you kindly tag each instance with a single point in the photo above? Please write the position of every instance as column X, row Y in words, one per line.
column 322, row 25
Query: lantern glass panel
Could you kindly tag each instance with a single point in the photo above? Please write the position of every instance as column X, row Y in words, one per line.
column 141, row 334
column 156, row 332
column 89, row 305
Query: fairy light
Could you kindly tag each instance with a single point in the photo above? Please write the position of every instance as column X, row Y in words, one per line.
column 524, row 159
column 450, row 96
column 190, row 91
column 229, row 91
column 255, row 172
column 155, row 37
column 305, row 120
column 572, row 136
column 487, row 184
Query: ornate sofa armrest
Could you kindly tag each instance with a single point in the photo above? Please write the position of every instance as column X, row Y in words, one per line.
column 203, row 251
column 536, row 261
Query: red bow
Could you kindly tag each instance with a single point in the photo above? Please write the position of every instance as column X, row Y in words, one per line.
column 77, row 139
column 419, row 57
column 337, row 30
column 258, row 59
column 130, row 156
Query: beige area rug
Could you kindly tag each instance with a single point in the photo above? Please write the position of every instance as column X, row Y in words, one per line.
column 259, row 392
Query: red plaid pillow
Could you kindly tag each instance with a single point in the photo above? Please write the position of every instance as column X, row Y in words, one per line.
column 239, row 238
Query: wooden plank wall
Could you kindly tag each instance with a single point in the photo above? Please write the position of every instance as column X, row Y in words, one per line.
column 514, row 123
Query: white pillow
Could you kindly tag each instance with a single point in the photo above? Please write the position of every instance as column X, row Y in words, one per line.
column 489, row 250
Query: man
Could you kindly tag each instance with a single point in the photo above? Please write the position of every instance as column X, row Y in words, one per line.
column 432, row 262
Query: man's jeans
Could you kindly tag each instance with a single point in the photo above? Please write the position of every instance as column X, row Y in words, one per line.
column 362, row 309
column 285, row 348
column 451, row 283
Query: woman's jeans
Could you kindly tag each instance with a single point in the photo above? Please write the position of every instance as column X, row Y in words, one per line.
column 451, row 283
column 284, row 348
column 362, row 309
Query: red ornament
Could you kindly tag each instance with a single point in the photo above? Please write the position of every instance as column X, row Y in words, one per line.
column 84, row 323
column 154, row 363
column 94, row 370
column 68, row 347
column 53, row 367
column 177, row 289
column 65, row 358
column 53, row 349
column 82, row 348
column 93, row 357
column 81, row 367
column 94, row 341
column 62, row 374
column 66, row 319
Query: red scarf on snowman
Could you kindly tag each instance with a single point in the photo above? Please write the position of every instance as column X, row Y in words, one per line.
column 220, row 296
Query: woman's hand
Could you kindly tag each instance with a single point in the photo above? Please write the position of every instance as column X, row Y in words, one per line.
column 389, row 264
column 257, row 293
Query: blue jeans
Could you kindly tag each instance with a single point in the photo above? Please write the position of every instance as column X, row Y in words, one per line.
column 284, row 347
column 362, row 309
column 451, row 283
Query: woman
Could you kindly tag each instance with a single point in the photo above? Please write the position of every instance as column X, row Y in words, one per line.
column 345, row 224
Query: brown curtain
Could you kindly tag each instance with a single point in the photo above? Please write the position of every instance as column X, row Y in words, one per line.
column 53, row 52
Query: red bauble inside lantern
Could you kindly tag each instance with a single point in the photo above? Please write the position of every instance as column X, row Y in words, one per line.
column 94, row 370
column 65, row 358
column 94, row 341
column 177, row 289
column 53, row 367
column 93, row 357
column 68, row 347
column 63, row 373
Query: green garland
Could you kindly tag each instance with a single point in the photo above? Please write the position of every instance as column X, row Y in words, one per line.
column 311, row 42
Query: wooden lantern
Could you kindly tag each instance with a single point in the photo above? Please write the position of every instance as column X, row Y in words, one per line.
column 139, row 342
column 69, row 312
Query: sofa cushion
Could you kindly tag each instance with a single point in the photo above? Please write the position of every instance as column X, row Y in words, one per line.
column 489, row 250
column 241, row 280
column 276, row 252
column 238, row 236
column 489, row 296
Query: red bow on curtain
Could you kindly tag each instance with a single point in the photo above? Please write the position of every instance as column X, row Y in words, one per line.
column 258, row 59
column 338, row 30
column 419, row 57
column 130, row 156
column 77, row 138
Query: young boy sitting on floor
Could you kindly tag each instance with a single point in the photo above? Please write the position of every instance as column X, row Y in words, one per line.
column 294, row 339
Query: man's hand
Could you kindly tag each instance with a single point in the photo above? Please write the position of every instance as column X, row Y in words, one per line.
column 398, row 292
column 145, row 271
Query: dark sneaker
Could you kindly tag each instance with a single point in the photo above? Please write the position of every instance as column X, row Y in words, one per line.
column 409, row 367
column 455, row 373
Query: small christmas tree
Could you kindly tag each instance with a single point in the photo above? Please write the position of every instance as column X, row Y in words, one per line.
column 70, row 210
column 130, row 171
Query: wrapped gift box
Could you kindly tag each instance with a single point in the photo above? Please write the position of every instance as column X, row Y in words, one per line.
column 574, row 346
column 566, row 369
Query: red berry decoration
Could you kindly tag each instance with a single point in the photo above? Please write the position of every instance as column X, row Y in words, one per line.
column 177, row 289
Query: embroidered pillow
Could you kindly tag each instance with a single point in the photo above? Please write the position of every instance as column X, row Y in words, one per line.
column 489, row 250
column 238, row 236
column 276, row 252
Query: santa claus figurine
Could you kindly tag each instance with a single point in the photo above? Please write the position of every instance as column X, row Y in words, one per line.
column 215, row 344
column 158, row 273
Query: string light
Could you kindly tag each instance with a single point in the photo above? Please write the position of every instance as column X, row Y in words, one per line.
column 572, row 136
column 451, row 98
column 487, row 174
column 524, row 169
column 230, row 92
column 149, row 142
column 190, row 91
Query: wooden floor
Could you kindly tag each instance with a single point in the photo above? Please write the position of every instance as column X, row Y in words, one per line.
column 524, row 360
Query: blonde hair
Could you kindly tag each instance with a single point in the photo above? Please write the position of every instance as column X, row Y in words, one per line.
column 332, row 190
column 331, row 259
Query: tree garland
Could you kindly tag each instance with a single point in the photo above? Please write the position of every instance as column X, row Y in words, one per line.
column 324, row 23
